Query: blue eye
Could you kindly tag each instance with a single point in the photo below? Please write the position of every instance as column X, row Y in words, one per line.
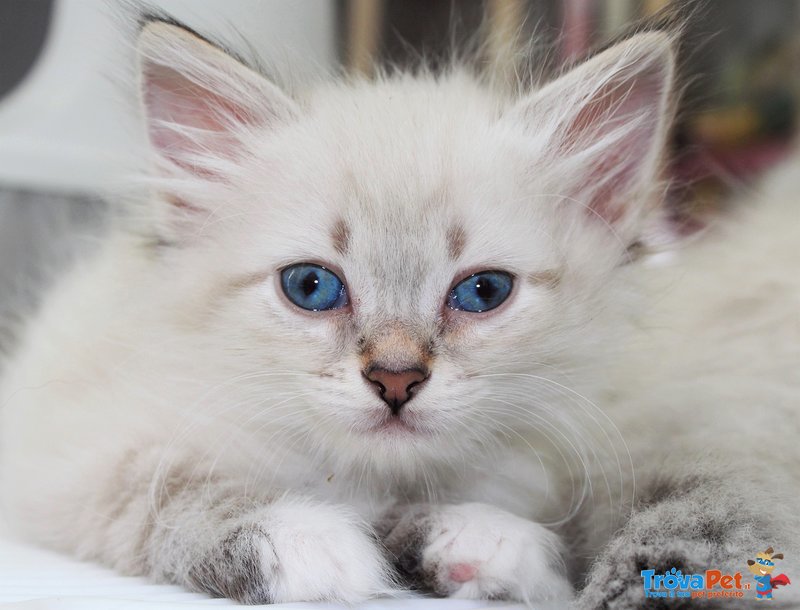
column 313, row 287
column 481, row 291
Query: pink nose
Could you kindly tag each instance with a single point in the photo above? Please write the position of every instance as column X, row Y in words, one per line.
column 396, row 387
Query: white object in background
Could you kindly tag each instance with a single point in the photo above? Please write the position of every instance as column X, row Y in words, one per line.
column 67, row 127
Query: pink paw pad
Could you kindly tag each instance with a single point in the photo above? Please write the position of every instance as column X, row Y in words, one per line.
column 462, row 572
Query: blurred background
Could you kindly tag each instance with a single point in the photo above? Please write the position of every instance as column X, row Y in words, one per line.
column 67, row 136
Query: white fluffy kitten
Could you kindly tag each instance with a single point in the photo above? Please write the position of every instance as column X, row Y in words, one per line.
column 179, row 409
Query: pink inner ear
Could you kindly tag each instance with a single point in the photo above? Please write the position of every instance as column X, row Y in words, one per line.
column 628, row 113
column 187, row 122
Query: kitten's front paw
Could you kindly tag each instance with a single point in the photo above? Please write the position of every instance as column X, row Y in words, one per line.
column 476, row 551
column 294, row 552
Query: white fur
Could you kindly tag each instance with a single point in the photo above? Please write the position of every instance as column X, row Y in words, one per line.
column 188, row 358
column 322, row 553
column 511, row 556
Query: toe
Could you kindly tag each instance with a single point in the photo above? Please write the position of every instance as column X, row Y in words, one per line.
column 462, row 572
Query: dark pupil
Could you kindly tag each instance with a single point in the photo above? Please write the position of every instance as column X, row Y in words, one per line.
column 310, row 283
column 485, row 289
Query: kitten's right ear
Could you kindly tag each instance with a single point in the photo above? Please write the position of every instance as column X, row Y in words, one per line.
column 199, row 101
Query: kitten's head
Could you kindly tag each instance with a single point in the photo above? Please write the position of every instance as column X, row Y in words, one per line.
column 398, row 270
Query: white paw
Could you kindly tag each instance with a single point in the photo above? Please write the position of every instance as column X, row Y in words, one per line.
column 478, row 551
column 293, row 550
column 321, row 552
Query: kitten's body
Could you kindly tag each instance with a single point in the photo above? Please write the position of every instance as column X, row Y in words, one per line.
column 168, row 413
column 707, row 399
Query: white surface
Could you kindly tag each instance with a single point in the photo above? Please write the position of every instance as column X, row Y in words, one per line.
column 69, row 124
column 37, row 579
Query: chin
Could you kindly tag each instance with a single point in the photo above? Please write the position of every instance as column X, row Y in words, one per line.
column 393, row 449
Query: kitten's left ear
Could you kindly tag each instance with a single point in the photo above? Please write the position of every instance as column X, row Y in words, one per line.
column 198, row 100
column 605, row 124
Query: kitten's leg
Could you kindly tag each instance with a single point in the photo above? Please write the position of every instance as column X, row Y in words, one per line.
column 692, row 522
column 204, row 533
column 475, row 551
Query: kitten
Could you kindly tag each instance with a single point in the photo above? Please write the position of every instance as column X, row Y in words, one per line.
column 390, row 335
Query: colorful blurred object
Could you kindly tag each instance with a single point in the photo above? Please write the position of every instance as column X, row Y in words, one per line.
column 739, row 64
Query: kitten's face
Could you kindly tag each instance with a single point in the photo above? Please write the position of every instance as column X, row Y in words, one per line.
column 407, row 266
column 400, row 222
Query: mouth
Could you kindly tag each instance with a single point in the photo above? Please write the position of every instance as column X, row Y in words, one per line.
column 400, row 425
column 395, row 426
column 763, row 572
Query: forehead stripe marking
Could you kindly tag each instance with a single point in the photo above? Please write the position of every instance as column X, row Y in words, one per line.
column 456, row 240
column 341, row 236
